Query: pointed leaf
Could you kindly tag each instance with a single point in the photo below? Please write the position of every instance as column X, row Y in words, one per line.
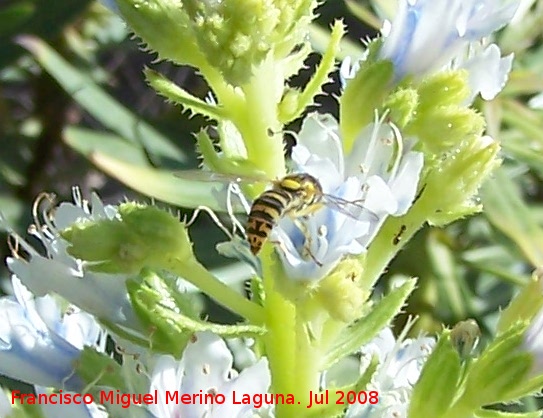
column 98, row 103
column 163, row 184
column 368, row 327
column 178, row 95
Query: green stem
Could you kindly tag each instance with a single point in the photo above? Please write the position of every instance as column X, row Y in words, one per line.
column 293, row 354
column 195, row 273
column 307, row 364
column 279, row 341
column 257, row 120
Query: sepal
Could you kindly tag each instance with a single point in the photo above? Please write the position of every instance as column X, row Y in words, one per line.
column 436, row 388
column 369, row 326
column 99, row 369
column 294, row 102
column 496, row 375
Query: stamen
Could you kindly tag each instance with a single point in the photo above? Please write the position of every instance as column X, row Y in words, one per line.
column 234, row 188
column 213, row 217
column 36, row 206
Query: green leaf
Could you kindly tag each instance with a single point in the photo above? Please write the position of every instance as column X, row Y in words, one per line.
column 363, row 94
column 98, row 103
column 99, row 369
column 366, row 328
column 163, row 184
column 170, row 317
column 320, row 39
column 506, row 210
column 499, row 372
column 88, row 142
column 291, row 110
column 436, row 388
column 178, row 95
column 524, row 306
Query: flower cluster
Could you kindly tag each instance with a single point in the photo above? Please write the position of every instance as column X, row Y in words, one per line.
column 102, row 305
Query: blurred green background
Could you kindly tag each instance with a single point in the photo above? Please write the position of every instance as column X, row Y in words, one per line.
column 75, row 110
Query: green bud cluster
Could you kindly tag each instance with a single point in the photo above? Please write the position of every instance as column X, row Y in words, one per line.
column 442, row 121
column 140, row 236
column 236, row 35
column 232, row 36
column 165, row 27
column 462, row 171
column 341, row 294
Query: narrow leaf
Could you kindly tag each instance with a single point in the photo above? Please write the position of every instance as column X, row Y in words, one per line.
column 178, row 95
column 369, row 326
column 98, row 103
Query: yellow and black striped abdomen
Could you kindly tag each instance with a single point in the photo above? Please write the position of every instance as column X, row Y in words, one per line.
column 266, row 211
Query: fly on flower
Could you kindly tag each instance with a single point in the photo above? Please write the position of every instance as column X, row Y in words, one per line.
column 296, row 195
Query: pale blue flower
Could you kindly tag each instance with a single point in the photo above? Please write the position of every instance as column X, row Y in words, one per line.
column 206, row 365
column 381, row 174
column 427, row 34
column 103, row 295
column 400, row 364
column 39, row 343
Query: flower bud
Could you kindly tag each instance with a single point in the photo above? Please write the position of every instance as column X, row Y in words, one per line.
column 237, row 35
column 402, row 106
column 465, row 336
column 140, row 236
column 340, row 293
column 462, row 172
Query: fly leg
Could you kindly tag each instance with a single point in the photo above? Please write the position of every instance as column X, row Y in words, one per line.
column 306, row 252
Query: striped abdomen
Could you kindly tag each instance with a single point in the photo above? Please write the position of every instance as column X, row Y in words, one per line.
column 265, row 213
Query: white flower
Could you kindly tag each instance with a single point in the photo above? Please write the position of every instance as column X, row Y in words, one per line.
column 101, row 294
column 427, row 34
column 381, row 173
column 38, row 343
column 400, row 364
column 488, row 72
column 206, row 366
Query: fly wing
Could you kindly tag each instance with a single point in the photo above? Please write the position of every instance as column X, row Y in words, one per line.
column 352, row 208
column 213, row 177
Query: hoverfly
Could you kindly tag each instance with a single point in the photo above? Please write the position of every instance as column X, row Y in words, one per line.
column 295, row 195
